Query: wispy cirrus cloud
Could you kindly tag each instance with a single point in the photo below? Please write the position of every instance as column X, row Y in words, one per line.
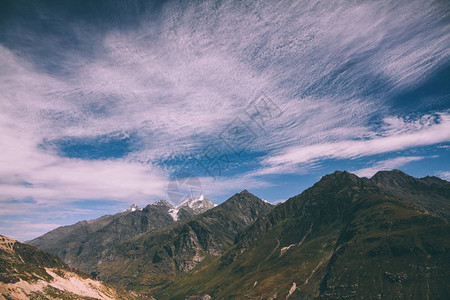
column 426, row 134
column 444, row 175
column 388, row 164
column 94, row 107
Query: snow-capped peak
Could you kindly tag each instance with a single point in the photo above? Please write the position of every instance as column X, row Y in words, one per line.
column 163, row 203
column 197, row 205
column 132, row 208
column 263, row 200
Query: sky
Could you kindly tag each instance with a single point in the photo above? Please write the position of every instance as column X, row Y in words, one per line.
column 108, row 103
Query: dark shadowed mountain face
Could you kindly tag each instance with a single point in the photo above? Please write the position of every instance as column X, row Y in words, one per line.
column 345, row 237
column 159, row 256
column 29, row 273
column 431, row 193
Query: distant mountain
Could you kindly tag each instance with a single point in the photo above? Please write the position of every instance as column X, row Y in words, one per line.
column 29, row 273
column 132, row 208
column 345, row 237
column 193, row 206
column 159, row 256
column 84, row 244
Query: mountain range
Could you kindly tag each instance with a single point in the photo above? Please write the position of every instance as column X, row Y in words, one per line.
column 386, row 237
column 85, row 244
column 345, row 237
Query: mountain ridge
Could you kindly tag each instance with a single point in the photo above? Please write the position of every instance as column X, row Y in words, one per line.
column 84, row 244
column 155, row 257
column 344, row 237
column 430, row 192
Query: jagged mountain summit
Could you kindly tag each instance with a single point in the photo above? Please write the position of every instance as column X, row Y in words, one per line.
column 132, row 208
column 195, row 205
column 199, row 205
column 29, row 273
column 431, row 193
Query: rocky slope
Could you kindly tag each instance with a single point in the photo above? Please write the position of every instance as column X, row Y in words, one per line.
column 345, row 237
column 191, row 206
column 84, row 244
column 431, row 193
column 29, row 273
column 157, row 257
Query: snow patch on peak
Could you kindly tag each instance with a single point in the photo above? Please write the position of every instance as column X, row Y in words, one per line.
column 163, row 203
column 263, row 200
column 199, row 205
column 132, row 208
column 174, row 213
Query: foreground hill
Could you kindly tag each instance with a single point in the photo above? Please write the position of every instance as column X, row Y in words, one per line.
column 345, row 237
column 85, row 243
column 29, row 273
column 149, row 260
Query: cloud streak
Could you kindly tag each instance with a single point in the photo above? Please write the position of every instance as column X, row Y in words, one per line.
column 427, row 135
column 388, row 164
column 174, row 76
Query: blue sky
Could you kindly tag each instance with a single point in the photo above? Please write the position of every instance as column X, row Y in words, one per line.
column 105, row 103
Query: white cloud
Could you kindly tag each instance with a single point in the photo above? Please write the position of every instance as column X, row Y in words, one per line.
column 16, row 229
column 388, row 164
column 183, row 78
column 444, row 175
column 426, row 135
column 222, row 185
column 27, row 94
